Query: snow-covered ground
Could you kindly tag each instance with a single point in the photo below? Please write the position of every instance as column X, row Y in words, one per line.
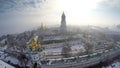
column 5, row 65
column 12, row 60
column 114, row 65
column 6, row 57
column 57, row 45
column 76, row 47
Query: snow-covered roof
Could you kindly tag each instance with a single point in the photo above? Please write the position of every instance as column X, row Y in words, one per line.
column 5, row 65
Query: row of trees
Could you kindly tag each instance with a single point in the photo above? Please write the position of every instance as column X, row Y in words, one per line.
column 66, row 50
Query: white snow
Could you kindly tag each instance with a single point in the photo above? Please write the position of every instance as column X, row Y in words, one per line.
column 5, row 47
column 53, row 51
column 3, row 41
column 76, row 47
column 5, row 65
column 114, row 65
column 7, row 57
column 36, row 38
column 12, row 60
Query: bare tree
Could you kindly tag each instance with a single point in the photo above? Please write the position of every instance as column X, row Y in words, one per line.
column 66, row 50
column 23, row 59
column 88, row 47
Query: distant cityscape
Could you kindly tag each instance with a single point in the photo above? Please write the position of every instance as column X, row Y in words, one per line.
column 61, row 47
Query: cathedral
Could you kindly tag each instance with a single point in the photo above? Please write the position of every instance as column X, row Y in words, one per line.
column 63, row 27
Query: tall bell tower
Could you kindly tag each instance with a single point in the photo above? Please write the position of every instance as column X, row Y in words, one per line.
column 63, row 27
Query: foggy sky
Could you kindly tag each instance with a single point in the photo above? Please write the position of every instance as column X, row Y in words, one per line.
column 21, row 15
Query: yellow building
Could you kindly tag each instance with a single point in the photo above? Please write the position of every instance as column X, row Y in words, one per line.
column 34, row 45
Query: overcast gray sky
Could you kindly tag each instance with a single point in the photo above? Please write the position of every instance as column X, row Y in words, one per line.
column 21, row 15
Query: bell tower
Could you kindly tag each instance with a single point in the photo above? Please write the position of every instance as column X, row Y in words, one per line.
column 63, row 23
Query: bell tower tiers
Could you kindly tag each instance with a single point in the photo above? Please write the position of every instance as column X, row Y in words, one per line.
column 63, row 23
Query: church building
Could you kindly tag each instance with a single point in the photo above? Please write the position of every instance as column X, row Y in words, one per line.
column 63, row 27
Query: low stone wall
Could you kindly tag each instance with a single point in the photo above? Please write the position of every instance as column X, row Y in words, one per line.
column 88, row 62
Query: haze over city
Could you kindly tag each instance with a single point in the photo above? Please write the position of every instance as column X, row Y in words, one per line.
column 59, row 33
column 18, row 16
